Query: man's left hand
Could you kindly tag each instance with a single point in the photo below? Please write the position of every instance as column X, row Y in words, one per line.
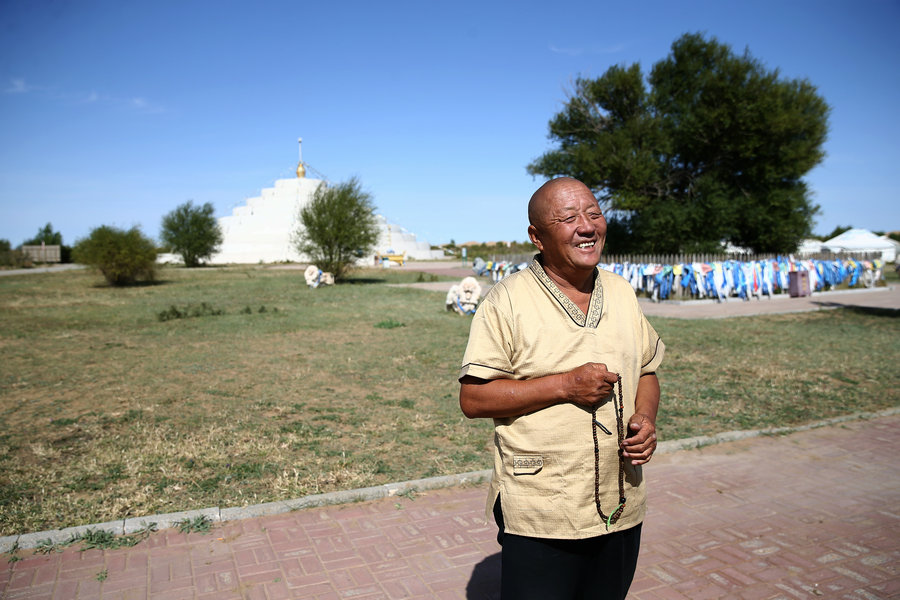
column 641, row 444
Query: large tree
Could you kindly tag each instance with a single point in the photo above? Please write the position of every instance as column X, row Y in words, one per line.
column 714, row 149
column 193, row 232
column 338, row 226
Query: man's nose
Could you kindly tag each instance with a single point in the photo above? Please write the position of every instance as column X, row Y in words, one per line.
column 585, row 225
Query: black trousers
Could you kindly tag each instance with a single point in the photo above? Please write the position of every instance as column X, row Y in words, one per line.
column 598, row 568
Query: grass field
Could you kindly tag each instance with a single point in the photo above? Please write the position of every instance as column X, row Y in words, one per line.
column 227, row 387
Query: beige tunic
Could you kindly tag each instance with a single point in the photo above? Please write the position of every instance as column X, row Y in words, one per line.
column 544, row 461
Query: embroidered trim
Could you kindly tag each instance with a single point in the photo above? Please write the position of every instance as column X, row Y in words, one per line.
column 595, row 308
column 527, row 464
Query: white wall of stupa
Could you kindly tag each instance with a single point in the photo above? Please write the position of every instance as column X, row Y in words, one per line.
column 262, row 229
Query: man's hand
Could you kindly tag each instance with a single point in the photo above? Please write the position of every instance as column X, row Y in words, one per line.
column 589, row 384
column 641, row 443
column 499, row 398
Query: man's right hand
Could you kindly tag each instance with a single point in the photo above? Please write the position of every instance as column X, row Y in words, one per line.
column 590, row 384
column 499, row 398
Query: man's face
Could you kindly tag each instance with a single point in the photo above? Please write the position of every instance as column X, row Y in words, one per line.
column 572, row 229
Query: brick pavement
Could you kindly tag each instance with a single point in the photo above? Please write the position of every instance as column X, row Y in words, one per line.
column 805, row 515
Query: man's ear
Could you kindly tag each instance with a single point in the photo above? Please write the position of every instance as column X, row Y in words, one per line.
column 533, row 235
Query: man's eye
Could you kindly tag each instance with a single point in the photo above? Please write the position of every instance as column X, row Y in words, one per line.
column 569, row 219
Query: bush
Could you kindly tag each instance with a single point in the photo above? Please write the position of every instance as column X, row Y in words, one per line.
column 193, row 232
column 11, row 257
column 338, row 226
column 123, row 257
column 189, row 312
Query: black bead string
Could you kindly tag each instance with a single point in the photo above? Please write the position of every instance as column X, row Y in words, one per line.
column 620, row 431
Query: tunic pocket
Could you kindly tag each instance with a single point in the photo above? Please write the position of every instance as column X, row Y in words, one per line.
column 527, row 464
column 530, row 496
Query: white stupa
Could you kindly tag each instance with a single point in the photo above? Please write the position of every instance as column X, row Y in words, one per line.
column 262, row 230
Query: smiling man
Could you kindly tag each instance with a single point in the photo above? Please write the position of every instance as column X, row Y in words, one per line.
column 561, row 357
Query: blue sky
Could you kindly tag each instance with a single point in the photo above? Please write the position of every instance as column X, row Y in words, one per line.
column 114, row 113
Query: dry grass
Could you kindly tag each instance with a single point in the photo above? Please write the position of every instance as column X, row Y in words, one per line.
column 107, row 412
column 777, row 370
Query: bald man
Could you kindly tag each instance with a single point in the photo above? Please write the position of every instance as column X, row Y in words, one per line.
column 562, row 359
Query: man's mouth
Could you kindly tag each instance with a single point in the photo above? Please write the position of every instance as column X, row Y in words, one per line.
column 586, row 244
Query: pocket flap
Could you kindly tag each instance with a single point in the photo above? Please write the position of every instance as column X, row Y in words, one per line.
column 527, row 464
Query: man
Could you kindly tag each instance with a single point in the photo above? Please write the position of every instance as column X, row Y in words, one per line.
column 562, row 359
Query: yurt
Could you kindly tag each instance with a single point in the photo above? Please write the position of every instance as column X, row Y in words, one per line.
column 861, row 240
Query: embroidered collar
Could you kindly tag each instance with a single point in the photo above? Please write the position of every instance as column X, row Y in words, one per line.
column 595, row 308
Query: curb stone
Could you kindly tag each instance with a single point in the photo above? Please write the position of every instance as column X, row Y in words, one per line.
column 170, row 520
column 59, row 536
column 215, row 514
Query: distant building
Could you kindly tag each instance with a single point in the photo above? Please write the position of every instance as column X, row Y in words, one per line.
column 809, row 246
column 43, row 253
column 862, row 240
column 262, row 229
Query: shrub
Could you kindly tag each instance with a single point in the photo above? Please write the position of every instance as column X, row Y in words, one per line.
column 123, row 257
column 12, row 257
column 338, row 226
column 193, row 232
column 189, row 312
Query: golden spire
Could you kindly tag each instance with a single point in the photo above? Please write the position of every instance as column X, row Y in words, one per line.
column 301, row 170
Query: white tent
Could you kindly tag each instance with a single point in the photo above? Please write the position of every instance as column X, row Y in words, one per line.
column 861, row 240
column 896, row 246
column 809, row 246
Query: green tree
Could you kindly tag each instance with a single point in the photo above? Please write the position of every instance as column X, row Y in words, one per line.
column 713, row 150
column 338, row 226
column 123, row 257
column 193, row 232
column 45, row 235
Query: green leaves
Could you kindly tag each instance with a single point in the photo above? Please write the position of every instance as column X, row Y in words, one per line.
column 338, row 227
column 193, row 232
column 713, row 151
column 45, row 235
column 123, row 257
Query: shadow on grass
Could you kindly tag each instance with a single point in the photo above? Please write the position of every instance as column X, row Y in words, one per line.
column 361, row 280
column 875, row 311
column 136, row 284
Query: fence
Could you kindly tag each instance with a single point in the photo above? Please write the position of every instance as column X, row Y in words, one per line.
column 684, row 259
column 42, row 253
column 720, row 276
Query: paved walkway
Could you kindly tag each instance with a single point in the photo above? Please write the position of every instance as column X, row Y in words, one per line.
column 805, row 515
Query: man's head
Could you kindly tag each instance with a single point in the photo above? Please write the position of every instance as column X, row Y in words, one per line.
column 567, row 226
